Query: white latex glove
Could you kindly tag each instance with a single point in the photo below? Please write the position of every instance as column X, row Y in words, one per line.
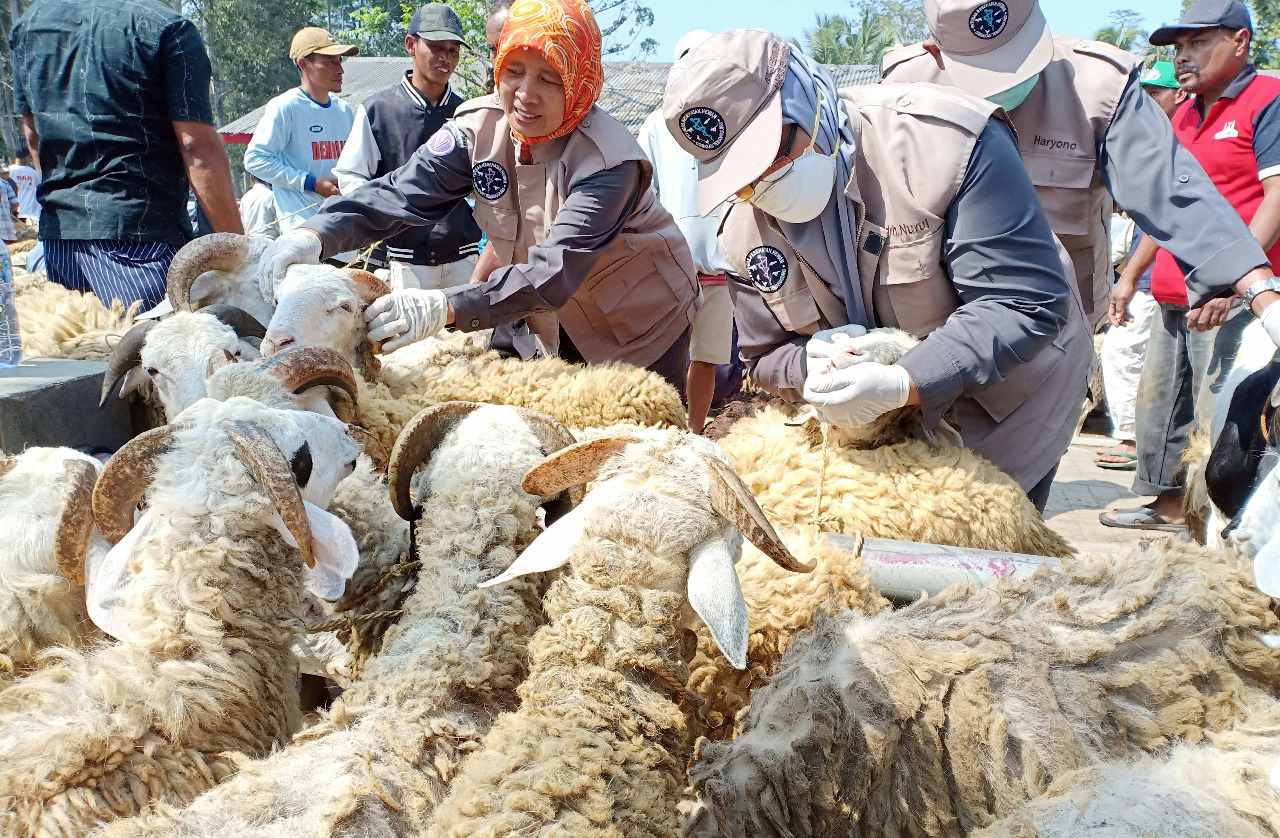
column 407, row 315
column 297, row 248
column 1271, row 322
column 859, row 394
column 822, row 354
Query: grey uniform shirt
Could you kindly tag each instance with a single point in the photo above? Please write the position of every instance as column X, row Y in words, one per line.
column 423, row 190
column 1163, row 187
column 1004, row 264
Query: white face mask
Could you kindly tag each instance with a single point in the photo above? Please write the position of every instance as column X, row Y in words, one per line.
column 801, row 191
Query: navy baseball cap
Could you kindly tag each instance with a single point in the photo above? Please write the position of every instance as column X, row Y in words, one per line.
column 1207, row 14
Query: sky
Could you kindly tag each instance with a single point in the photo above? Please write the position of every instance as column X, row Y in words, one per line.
column 789, row 18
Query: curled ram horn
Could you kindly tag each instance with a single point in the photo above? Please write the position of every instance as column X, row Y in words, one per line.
column 215, row 252
column 576, row 465
column 75, row 520
column 272, row 471
column 305, row 367
column 125, row 479
column 733, row 501
column 414, row 447
column 126, row 355
column 244, row 324
column 553, row 436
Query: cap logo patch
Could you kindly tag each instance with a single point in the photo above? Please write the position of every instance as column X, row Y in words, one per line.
column 490, row 180
column 1150, row 74
column 703, row 127
column 767, row 269
column 989, row 20
column 442, row 142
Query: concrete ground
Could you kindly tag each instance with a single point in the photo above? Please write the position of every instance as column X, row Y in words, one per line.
column 1081, row 491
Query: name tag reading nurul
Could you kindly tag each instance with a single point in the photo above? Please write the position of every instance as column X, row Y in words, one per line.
column 873, row 244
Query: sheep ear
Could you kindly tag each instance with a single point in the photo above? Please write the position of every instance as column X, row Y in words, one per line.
column 1266, row 568
column 716, row 596
column 206, row 285
column 132, row 379
column 108, row 579
column 548, row 551
column 332, row 546
column 161, row 309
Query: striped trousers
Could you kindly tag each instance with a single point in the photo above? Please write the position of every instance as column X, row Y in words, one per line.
column 111, row 269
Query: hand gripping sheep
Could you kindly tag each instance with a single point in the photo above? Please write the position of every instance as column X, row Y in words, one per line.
column 599, row 743
column 382, row 758
column 203, row 674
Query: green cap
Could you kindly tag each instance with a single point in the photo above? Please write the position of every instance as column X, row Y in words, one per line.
column 1160, row 74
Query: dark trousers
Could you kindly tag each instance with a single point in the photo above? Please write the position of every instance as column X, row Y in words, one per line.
column 1181, row 378
column 110, row 269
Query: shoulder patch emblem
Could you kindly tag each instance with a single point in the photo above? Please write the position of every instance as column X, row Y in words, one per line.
column 490, row 180
column 703, row 127
column 767, row 268
column 989, row 20
column 443, row 142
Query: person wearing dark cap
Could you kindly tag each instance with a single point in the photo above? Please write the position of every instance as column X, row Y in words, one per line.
column 389, row 127
column 1088, row 134
column 900, row 205
column 1232, row 126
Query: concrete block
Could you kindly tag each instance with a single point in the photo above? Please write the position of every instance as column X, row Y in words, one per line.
column 51, row 401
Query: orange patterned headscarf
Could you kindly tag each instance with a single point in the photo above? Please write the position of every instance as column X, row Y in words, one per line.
column 566, row 34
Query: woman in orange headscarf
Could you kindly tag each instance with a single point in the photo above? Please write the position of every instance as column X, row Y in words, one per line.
column 562, row 190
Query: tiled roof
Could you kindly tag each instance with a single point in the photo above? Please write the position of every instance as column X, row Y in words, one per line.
column 631, row 88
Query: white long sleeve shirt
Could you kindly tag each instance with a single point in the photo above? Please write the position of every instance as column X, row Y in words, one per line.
column 359, row 158
column 297, row 141
column 258, row 212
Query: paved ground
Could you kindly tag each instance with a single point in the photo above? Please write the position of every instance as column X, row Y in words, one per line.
column 1081, row 490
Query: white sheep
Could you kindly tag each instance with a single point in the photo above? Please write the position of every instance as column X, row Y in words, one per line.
column 386, row 752
column 47, row 521
column 202, row 675
column 217, row 268
column 941, row 717
column 599, row 743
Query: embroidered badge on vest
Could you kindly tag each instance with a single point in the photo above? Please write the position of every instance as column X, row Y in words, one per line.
column 703, row 127
column 443, row 142
column 490, row 179
column 767, row 269
column 989, row 20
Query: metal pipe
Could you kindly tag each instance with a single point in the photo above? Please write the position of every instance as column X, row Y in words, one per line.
column 901, row 570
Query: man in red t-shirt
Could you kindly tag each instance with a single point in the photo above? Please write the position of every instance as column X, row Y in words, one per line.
column 1232, row 127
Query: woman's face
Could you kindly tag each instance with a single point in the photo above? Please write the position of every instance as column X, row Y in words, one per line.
column 532, row 93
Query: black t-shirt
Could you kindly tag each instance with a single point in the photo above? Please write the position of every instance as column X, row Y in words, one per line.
column 104, row 81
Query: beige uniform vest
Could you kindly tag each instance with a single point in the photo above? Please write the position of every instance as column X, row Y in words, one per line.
column 913, row 144
column 1060, row 126
column 643, row 292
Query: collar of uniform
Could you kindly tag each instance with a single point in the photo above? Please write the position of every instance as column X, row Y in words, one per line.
column 416, row 95
column 1233, row 91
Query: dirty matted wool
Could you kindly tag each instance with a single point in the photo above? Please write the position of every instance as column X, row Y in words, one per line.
column 1221, row 787
column 940, row 718
column 911, row 490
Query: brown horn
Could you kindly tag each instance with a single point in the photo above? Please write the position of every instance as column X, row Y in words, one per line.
column 270, row 468
column 413, row 449
column 305, row 367
column 733, row 501
column 368, row 286
column 370, row 445
column 75, row 521
column 244, row 324
column 126, row 355
column 7, row 464
column 215, row 252
column 125, row 479
column 576, row 465
column 553, row 437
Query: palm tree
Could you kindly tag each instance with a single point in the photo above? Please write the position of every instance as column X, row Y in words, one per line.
column 836, row 39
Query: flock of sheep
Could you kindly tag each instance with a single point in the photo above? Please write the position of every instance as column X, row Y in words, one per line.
column 552, row 610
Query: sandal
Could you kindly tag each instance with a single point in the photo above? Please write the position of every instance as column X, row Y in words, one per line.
column 1130, row 462
column 1142, row 518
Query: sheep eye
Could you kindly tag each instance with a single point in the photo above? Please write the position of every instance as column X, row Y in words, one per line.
column 152, row 371
column 301, row 465
column 347, row 307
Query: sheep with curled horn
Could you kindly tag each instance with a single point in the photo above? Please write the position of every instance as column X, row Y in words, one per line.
column 47, row 521
column 202, row 675
column 220, row 268
column 386, row 753
column 600, row 741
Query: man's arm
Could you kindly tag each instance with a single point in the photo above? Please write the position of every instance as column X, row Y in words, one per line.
column 359, row 158
column 1175, row 202
column 32, row 136
column 209, row 171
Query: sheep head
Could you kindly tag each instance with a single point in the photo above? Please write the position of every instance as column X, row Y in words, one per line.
column 46, row 497
column 675, row 496
column 175, row 354
column 218, row 268
column 320, row 305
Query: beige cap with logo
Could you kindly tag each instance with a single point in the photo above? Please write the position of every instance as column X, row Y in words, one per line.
column 990, row 46
column 313, row 39
column 723, row 106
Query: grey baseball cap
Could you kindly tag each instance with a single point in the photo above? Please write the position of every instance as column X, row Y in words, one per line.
column 437, row 22
column 1207, row 14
